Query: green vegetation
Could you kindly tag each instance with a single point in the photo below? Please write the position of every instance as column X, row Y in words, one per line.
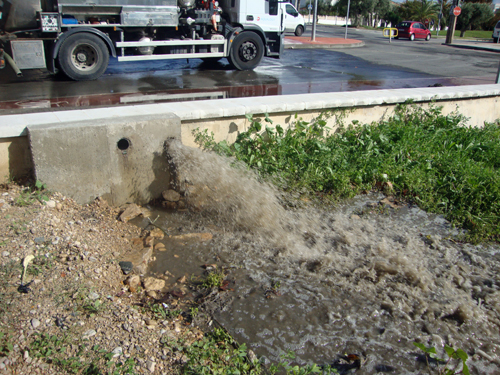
column 5, row 345
column 428, row 158
column 456, row 360
column 88, row 361
column 213, row 279
column 478, row 34
column 218, row 353
column 37, row 192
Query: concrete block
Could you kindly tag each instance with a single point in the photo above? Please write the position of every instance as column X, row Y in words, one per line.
column 121, row 159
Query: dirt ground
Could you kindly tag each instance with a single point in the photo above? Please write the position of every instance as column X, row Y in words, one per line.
column 76, row 311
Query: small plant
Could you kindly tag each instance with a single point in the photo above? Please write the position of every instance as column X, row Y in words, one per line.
column 5, row 345
column 214, row 279
column 458, row 356
column 93, row 307
column 30, row 195
column 160, row 311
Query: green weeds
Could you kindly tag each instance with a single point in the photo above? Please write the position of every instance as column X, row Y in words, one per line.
column 214, row 279
column 37, row 192
column 5, row 345
column 87, row 360
column 456, row 360
column 429, row 158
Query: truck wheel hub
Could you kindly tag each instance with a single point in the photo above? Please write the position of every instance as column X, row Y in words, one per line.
column 81, row 57
column 248, row 51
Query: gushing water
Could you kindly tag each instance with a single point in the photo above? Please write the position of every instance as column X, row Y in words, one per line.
column 325, row 282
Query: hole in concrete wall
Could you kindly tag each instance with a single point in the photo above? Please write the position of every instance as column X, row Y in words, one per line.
column 123, row 144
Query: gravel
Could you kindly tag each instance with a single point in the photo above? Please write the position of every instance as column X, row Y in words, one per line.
column 74, row 287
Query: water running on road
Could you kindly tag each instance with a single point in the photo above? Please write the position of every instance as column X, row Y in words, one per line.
column 359, row 279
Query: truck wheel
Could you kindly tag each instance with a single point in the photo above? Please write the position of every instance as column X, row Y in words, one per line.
column 247, row 51
column 299, row 30
column 83, row 57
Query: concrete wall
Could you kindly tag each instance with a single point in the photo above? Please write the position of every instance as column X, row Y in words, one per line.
column 76, row 152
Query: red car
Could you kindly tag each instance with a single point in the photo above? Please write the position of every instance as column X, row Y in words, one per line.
column 413, row 30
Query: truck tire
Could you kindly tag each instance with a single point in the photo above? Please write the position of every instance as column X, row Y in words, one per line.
column 83, row 57
column 299, row 30
column 246, row 51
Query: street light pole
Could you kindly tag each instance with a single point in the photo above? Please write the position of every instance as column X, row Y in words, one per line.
column 347, row 18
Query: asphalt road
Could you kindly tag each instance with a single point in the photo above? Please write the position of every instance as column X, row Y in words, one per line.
column 379, row 64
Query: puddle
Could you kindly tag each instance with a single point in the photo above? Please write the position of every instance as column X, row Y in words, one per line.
column 365, row 278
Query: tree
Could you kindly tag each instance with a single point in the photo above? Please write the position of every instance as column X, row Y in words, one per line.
column 473, row 16
column 419, row 10
column 358, row 10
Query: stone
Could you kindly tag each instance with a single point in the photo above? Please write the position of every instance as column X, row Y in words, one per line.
column 133, row 281
column 149, row 241
column 131, row 212
column 93, row 296
column 5, row 253
column 150, row 365
column 182, row 279
column 51, row 204
column 118, row 351
column 157, row 233
column 88, row 334
column 171, row 195
column 151, row 283
column 35, row 323
column 126, row 267
column 160, row 247
column 39, row 240
column 152, row 294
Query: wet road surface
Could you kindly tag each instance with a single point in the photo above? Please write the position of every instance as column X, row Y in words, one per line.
column 378, row 65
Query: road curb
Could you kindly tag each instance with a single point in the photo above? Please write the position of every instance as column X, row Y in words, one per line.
column 323, row 46
column 479, row 48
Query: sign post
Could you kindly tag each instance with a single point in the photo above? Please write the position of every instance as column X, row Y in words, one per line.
column 454, row 13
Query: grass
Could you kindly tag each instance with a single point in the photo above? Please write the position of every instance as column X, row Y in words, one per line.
column 431, row 159
column 87, row 360
column 36, row 193
column 218, row 353
column 454, row 365
column 475, row 34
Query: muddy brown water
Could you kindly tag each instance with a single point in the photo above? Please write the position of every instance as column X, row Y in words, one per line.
column 362, row 278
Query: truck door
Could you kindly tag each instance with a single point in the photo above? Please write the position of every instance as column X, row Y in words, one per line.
column 266, row 14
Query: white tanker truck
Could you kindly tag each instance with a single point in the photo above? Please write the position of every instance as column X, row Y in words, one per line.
column 79, row 36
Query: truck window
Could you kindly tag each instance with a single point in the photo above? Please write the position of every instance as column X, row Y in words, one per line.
column 273, row 7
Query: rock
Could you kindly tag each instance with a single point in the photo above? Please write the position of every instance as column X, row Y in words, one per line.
column 59, row 206
column 151, row 283
column 151, row 322
column 127, row 327
column 150, row 365
column 93, row 296
column 171, row 195
column 160, row 247
column 51, row 204
column 88, row 334
column 355, row 217
column 39, row 240
column 182, row 279
column 200, row 237
column 149, row 241
column 157, row 233
column 131, row 212
column 137, row 243
column 152, row 294
column 35, row 323
column 118, row 351
column 252, row 357
column 126, row 267
column 6, row 253
column 133, row 281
